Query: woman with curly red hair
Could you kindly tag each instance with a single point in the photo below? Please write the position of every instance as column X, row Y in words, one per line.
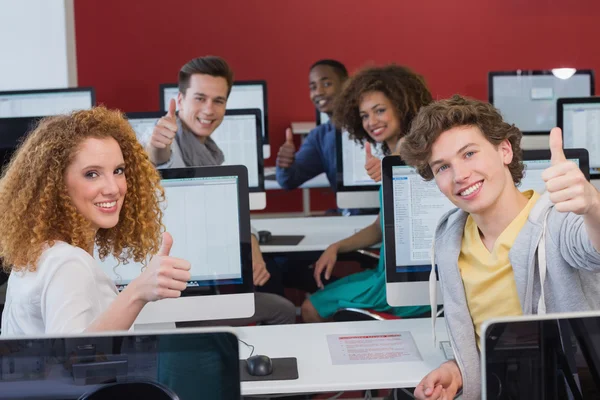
column 79, row 182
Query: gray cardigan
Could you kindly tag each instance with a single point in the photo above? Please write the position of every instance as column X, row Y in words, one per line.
column 568, row 269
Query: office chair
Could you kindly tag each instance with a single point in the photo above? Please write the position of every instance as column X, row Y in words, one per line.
column 131, row 390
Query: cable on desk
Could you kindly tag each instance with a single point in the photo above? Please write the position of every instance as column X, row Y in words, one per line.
column 249, row 345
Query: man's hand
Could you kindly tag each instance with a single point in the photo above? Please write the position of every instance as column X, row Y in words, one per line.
column 286, row 154
column 442, row 383
column 569, row 190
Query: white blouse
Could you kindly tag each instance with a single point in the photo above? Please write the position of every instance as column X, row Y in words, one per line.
column 66, row 293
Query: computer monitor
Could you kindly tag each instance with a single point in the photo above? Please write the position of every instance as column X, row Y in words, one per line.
column 41, row 103
column 412, row 208
column 182, row 364
column 12, row 132
column 579, row 119
column 321, row 118
column 355, row 189
column 244, row 95
column 528, row 98
column 238, row 136
column 537, row 161
column 552, row 356
column 207, row 213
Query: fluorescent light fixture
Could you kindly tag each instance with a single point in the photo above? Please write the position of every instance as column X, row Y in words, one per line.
column 563, row 73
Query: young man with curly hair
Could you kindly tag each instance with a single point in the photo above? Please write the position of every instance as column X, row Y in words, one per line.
column 377, row 105
column 79, row 181
column 502, row 252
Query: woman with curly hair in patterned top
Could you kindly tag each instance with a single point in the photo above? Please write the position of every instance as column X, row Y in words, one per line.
column 79, row 182
column 377, row 105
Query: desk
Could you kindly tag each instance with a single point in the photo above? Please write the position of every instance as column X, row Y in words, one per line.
column 316, row 373
column 319, row 232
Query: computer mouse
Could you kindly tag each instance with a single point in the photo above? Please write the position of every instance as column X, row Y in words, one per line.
column 264, row 237
column 259, row 365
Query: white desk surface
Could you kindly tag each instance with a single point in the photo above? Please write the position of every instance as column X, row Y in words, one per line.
column 319, row 232
column 316, row 373
column 319, row 181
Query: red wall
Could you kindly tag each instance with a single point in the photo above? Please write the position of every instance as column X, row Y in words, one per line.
column 125, row 49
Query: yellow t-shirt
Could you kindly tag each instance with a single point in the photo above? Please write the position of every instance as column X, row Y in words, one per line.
column 487, row 276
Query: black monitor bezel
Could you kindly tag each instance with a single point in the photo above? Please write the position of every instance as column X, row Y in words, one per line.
column 50, row 91
column 247, row 285
column 263, row 83
column 493, row 74
column 573, row 100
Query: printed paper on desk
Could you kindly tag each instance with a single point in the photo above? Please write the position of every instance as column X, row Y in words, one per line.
column 373, row 348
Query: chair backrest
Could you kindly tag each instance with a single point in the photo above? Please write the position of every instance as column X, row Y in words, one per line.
column 131, row 390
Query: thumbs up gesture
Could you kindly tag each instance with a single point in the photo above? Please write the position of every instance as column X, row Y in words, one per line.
column 568, row 188
column 165, row 276
column 372, row 164
column 287, row 151
column 166, row 128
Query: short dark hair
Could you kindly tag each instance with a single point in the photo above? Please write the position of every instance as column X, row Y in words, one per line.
column 406, row 90
column 208, row 65
column 443, row 115
column 337, row 66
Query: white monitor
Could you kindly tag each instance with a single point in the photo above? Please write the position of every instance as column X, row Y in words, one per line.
column 238, row 137
column 322, row 118
column 412, row 208
column 42, row 103
column 207, row 213
column 528, row 98
column 355, row 189
column 244, row 95
column 579, row 119
column 537, row 161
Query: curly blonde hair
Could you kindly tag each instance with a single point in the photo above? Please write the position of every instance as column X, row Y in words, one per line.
column 36, row 210
column 406, row 90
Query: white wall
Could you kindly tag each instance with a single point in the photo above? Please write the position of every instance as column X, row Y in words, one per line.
column 37, row 44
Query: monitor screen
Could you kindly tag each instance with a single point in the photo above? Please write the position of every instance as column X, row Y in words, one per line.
column 202, row 215
column 580, row 123
column 528, row 98
column 542, row 357
column 239, row 138
column 244, row 94
column 322, row 118
column 418, row 206
column 107, row 365
column 354, row 158
column 143, row 124
column 355, row 189
column 41, row 103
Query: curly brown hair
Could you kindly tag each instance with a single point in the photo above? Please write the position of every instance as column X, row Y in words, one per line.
column 406, row 90
column 443, row 115
column 35, row 209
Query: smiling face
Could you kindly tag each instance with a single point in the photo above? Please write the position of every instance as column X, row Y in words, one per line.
column 202, row 108
column 379, row 118
column 325, row 84
column 471, row 171
column 95, row 182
